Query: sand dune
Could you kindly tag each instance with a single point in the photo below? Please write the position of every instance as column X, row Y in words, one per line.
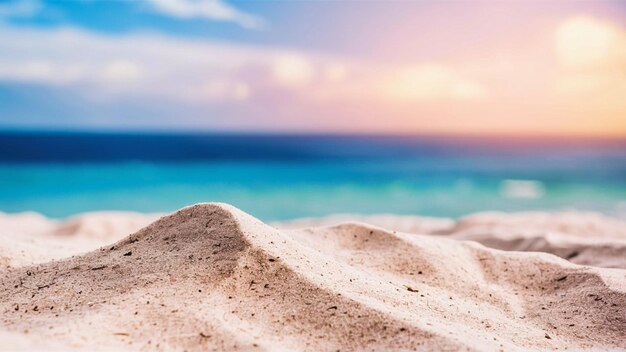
column 581, row 237
column 210, row 277
column 29, row 238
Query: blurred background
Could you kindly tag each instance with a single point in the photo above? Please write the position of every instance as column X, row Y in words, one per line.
column 304, row 108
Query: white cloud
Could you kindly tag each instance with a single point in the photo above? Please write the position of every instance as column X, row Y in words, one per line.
column 592, row 58
column 208, row 9
column 145, row 64
column 138, row 64
column 121, row 72
column 20, row 8
column 292, row 70
column 204, row 71
column 428, row 82
column 587, row 43
column 224, row 90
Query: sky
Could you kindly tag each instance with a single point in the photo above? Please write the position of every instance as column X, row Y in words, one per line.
column 554, row 68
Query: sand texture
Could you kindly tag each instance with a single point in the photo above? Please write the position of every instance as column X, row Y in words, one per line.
column 211, row 277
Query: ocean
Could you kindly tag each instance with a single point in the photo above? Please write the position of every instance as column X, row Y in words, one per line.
column 276, row 177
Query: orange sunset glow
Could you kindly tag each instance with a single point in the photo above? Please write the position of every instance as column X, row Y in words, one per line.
column 572, row 82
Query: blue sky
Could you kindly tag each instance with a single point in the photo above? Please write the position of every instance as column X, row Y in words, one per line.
column 303, row 65
column 347, row 27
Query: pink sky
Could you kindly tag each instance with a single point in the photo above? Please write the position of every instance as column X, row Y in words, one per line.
column 489, row 68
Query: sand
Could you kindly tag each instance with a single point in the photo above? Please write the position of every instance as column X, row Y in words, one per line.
column 211, row 277
column 30, row 238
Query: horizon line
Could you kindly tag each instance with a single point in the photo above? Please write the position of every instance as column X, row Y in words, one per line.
column 312, row 133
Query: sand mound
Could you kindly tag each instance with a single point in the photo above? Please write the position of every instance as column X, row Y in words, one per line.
column 29, row 238
column 581, row 237
column 104, row 225
column 585, row 251
column 402, row 223
column 210, row 277
column 574, row 223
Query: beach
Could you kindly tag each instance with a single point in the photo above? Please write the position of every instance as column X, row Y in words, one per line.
column 323, row 176
column 211, row 277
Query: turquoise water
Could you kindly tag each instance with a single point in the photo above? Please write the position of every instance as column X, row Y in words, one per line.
column 274, row 191
column 451, row 182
